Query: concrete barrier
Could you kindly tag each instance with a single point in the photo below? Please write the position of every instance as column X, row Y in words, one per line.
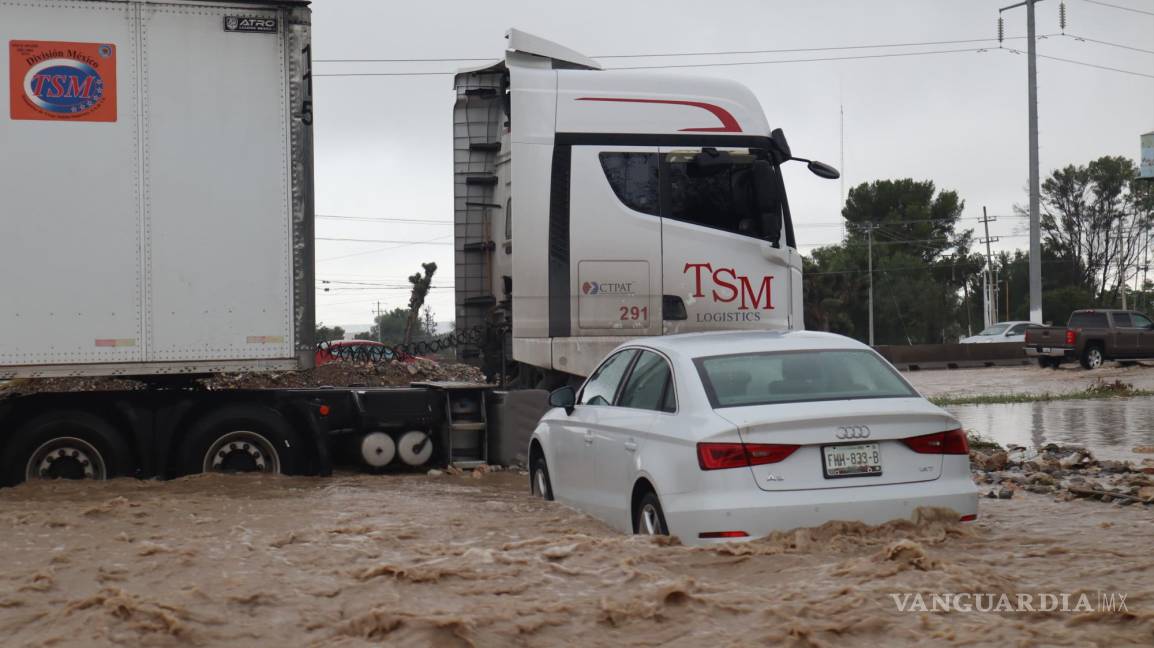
column 954, row 356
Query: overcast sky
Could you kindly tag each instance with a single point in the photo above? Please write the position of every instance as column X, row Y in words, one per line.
column 383, row 143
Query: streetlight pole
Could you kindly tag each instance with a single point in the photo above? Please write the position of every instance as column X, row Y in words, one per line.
column 1035, row 193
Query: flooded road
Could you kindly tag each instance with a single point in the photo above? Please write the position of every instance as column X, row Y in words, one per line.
column 1110, row 428
column 359, row 560
column 1025, row 379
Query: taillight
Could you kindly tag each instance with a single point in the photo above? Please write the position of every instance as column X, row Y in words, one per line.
column 716, row 456
column 723, row 534
column 951, row 443
column 1071, row 337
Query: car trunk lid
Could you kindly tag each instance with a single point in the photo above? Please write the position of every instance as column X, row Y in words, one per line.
column 876, row 426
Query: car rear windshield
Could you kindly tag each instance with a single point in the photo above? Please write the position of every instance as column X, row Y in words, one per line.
column 793, row 376
column 1088, row 320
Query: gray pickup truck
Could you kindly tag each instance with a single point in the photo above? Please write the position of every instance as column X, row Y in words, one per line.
column 1092, row 337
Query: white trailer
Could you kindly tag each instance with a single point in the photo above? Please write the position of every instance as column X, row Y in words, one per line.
column 156, row 187
column 596, row 205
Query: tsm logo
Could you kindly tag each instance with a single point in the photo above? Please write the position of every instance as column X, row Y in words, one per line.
column 727, row 286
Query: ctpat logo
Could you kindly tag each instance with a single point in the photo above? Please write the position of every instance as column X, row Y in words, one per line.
column 590, row 288
column 53, row 81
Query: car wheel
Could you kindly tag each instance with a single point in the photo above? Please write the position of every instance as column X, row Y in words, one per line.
column 241, row 439
column 539, row 479
column 65, row 445
column 1092, row 357
column 650, row 518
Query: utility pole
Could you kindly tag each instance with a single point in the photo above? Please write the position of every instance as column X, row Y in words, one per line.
column 1035, row 193
column 1122, row 269
column 870, row 227
column 990, row 303
column 380, row 328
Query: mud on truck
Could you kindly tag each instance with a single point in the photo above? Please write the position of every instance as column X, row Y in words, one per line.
column 156, row 179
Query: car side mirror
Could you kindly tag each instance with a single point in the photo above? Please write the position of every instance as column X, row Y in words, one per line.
column 563, row 397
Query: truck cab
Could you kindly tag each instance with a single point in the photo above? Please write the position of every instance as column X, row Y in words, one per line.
column 596, row 205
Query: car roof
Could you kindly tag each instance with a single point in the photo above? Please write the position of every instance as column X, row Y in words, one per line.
column 724, row 342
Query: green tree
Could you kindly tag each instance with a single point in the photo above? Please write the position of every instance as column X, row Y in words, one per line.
column 329, row 333
column 388, row 327
column 1096, row 218
column 921, row 264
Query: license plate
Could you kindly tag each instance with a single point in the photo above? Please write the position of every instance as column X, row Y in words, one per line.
column 1044, row 349
column 852, row 460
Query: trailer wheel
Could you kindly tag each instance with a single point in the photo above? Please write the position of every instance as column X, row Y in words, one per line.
column 415, row 448
column 241, row 439
column 65, row 445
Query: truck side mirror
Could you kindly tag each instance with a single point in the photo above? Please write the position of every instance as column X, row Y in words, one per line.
column 563, row 397
column 823, row 170
column 780, row 146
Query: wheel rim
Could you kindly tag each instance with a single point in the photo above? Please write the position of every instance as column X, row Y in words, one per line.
column 415, row 448
column 242, row 451
column 1095, row 358
column 650, row 523
column 66, row 458
column 539, row 477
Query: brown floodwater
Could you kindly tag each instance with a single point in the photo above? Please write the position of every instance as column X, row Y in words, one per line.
column 358, row 560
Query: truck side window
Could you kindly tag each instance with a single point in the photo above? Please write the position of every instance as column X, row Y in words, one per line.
column 633, row 177
column 1122, row 320
column 1141, row 321
column 1088, row 320
column 722, row 200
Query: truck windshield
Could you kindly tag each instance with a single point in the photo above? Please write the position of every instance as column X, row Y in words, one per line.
column 728, row 196
column 789, row 377
column 742, row 193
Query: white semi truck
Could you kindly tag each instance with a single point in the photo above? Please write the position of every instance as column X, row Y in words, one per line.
column 157, row 208
column 596, row 205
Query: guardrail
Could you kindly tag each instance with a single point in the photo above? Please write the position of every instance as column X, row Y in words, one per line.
column 954, row 356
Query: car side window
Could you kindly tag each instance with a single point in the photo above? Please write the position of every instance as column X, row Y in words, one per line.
column 602, row 387
column 1020, row 329
column 1141, row 321
column 1122, row 320
column 646, row 386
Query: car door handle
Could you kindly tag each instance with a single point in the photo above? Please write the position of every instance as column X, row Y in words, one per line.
column 630, row 445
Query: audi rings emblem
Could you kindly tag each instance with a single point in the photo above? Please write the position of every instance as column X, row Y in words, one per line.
column 853, row 432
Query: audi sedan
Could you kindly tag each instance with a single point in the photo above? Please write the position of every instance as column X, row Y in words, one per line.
column 726, row 436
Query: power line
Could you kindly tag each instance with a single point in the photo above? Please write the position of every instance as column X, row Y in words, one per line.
column 1108, row 43
column 363, row 240
column 1114, row 6
column 378, row 250
column 384, row 219
column 1083, row 63
column 808, row 60
column 790, row 50
column 700, row 65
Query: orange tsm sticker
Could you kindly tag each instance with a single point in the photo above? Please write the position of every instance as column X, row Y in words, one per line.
column 52, row 81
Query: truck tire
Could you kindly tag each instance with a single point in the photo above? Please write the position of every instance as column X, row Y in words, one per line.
column 1092, row 356
column 65, row 445
column 241, row 438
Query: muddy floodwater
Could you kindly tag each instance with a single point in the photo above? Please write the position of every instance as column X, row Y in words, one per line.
column 1110, row 428
column 357, row 560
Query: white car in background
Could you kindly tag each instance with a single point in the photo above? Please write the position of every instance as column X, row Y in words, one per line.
column 731, row 435
column 1000, row 332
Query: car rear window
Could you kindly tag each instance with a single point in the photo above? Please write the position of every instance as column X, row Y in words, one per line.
column 792, row 376
column 1088, row 320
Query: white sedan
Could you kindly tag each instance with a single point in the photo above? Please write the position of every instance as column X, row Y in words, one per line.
column 1000, row 332
column 720, row 436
